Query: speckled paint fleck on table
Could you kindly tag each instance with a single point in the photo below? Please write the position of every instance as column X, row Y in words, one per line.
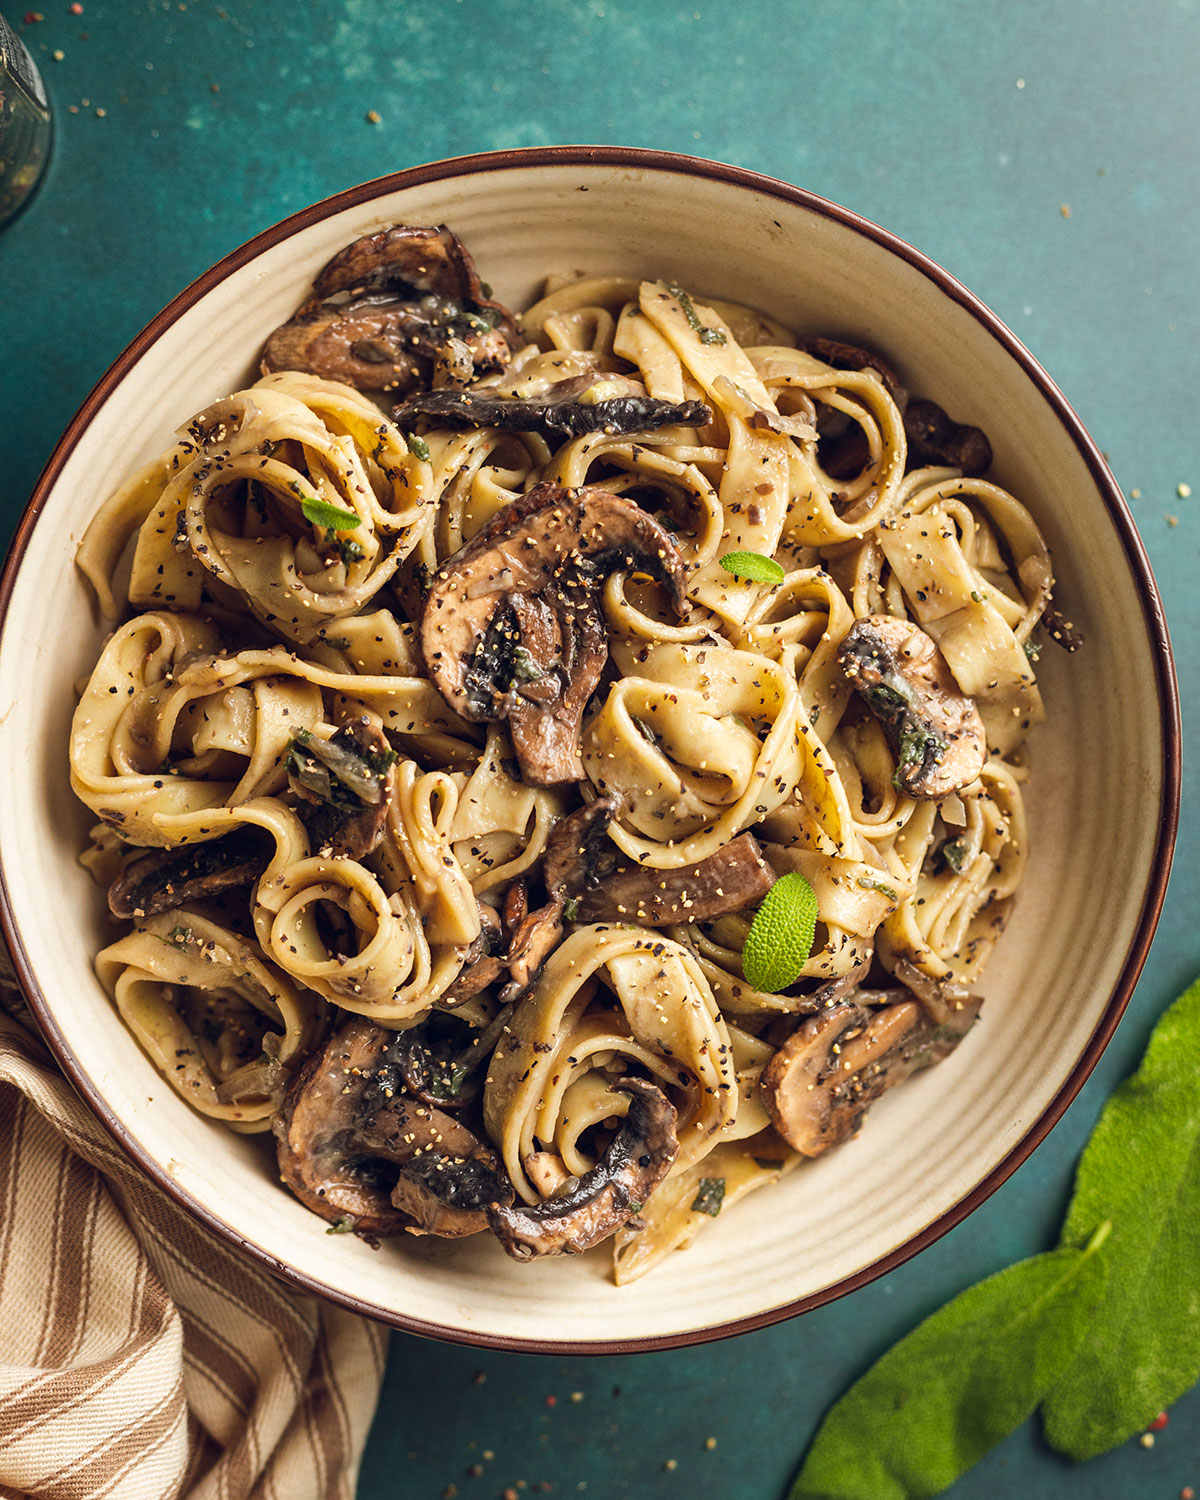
column 1044, row 154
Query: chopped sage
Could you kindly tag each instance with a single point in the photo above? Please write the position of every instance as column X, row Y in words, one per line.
column 331, row 517
column 710, row 1196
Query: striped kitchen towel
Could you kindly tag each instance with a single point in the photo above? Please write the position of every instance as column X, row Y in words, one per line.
column 141, row 1358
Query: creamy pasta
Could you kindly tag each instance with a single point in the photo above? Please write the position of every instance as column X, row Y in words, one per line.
column 442, row 756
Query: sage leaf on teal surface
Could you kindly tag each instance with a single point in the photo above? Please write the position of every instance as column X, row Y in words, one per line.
column 965, row 1378
column 1141, row 1169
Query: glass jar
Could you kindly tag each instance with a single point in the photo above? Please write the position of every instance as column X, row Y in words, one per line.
column 25, row 125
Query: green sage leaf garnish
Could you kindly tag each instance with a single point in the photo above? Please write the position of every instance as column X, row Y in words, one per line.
column 332, row 517
column 688, row 308
column 709, row 1197
column 1141, row 1169
column 781, row 935
column 752, row 567
column 953, row 854
column 965, row 1378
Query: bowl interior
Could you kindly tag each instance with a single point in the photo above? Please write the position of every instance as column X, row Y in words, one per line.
column 1096, row 797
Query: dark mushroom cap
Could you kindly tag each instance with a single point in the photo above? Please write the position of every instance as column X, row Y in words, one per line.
column 564, row 410
column 935, row 438
column 934, row 729
column 639, row 1157
column 818, row 1085
column 391, row 307
column 347, row 1133
column 843, row 356
column 166, row 878
column 734, row 877
column 417, row 259
column 511, row 627
column 345, row 786
column 579, row 853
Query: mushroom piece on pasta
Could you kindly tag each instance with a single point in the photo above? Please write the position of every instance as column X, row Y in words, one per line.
column 818, row 1085
column 596, row 1205
column 394, row 310
column 511, row 627
column 569, row 408
column 935, row 729
column 353, row 1146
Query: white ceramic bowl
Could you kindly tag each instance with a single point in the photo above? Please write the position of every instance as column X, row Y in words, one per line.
column 1104, row 797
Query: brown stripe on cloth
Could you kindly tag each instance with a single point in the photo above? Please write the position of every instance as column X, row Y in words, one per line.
column 140, row 1357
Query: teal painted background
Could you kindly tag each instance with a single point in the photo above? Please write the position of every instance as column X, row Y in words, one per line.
column 1045, row 154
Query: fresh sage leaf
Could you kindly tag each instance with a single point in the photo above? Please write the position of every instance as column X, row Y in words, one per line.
column 960, row 1382
column 1141, row 1169
column 752, row 567
column 781, row 935
column 332, row 517
column 709, row 1196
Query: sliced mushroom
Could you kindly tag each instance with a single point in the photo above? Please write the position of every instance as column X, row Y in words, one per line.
column 830, row 991
column 579, row 853
column 392, row 309
column 440, row 1058
column 843, row 356
column 351, row 1145
column 167, row 878
column 941, row 998
column 511, row 627
column 602, row 1200
column 344, row 785
column 934, row 438
column 447, row 1195
column 544, row 720
column 532, row 944
column 734, row 877
column 934, row 729
column 817, row 1087
column 585, row 403
column 483, row 962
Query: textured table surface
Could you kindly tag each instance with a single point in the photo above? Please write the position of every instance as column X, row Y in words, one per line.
column 1044, row 154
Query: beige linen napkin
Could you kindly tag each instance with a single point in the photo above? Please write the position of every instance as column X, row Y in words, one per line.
column 141, row 1358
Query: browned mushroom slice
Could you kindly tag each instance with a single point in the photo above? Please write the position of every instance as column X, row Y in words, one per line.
column 441, row 1057
column 346, row 1129
column 934, row 729
column 511, row 627
column 532, row 944
column 830, row 991
column 933, row 438
column 941, row 998
column 344, row 785
column 843, row 356
column 483, row 962
column 585, row 403
column 817, row 1087
column 167, row 878
column 447, row 1195
column 429, row 260
column 734, row 877
column 544, row 721
column 391, row 307
column 579, row 853
column 637, row 1160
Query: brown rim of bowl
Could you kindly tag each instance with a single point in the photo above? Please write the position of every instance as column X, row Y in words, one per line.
column 652, row 161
